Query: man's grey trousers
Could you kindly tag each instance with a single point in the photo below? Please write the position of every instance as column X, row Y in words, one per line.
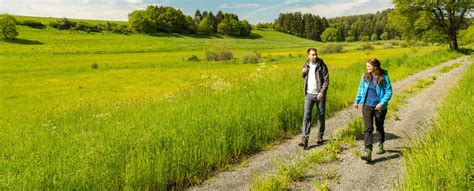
column 309, row 102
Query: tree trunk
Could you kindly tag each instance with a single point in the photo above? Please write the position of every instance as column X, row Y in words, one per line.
column 453, row 42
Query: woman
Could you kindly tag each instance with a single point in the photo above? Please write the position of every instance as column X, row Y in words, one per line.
column 373, row 94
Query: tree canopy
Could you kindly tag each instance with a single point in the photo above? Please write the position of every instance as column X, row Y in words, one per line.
column 8, row 26
column 354, row 27
column 425, row 18
column 168, row 19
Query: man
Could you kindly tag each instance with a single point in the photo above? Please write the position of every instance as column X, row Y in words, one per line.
column 316, row 82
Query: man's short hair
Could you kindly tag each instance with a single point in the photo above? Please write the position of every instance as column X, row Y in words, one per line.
column 311, row 49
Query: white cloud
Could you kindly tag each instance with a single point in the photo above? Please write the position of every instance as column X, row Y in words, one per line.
column 289, row 2
column 134, row 1
column 331, row 10
column 238, row 5
column 82, row 9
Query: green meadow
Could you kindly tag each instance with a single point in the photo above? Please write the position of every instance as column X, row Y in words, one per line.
column 110, row 111
column 443, row 159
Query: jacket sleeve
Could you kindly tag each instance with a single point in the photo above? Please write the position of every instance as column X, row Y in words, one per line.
column 359, row 91
column 325, row 74
column 388, row 90
column 303, row 74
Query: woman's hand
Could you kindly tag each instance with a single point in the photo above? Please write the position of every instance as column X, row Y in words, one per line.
column 356, row 106
column 378, row 107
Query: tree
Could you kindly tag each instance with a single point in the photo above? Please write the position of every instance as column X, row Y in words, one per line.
column 197, row 16
column 191, row 26
column 205, row 27
column 170, row 19
column 8, row 26
column 235, row 25
column 245, row 28
column 309, row 26
column 140, row 22
column 158, row 19
column 330, row 35
column 415, row 18
column 219, row 17
column 213, row 21
column 224, row 27
column 467, row 36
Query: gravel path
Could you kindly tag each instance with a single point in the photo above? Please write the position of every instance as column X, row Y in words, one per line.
column 353, row 174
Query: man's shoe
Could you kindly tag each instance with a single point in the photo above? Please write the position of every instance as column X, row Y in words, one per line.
column 366, row 155
column 320, row 139
column 379, row 148
column 303, row 143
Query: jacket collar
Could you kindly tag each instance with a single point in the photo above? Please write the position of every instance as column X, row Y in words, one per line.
column 318, row 62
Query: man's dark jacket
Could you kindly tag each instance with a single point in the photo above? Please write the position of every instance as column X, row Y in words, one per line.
column 321, row 74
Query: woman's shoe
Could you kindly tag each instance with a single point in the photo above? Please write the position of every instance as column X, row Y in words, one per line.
column 379, row 149
column 366, row 155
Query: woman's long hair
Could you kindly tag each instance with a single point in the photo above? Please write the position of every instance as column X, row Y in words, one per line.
column 378, row 72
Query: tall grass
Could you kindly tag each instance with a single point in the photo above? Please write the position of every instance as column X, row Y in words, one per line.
column 444, row 158
column 106, row 68
column 173, row 143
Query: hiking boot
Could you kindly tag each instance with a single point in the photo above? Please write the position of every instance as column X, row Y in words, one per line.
column 304, row 142
column 366, row 155
column 320, row 139
column 379, row 148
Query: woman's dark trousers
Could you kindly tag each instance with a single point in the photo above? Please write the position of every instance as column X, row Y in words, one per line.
column 369, row 114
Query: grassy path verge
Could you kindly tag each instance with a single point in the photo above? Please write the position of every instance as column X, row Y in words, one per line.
column 443, row 156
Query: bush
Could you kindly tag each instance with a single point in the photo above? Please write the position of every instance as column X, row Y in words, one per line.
column 384, row 36
column 219, row 54
column 122, row 29
column 364, row 38
column 377, row 43
column 404, row 44
column 421, row 43
column 331, row 35
column 86, row 27
column 332, row 48
column 250, row 58
column 466, row 36
column 269, row 58
column 366, row 46
column 387, row 45
column 350, row 39
column 193, row 58
column 63, row 24
column 32, row 24
column 95, row 66
column 374, row 37
column 395, row 43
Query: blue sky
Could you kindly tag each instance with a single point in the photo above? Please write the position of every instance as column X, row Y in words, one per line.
column 254, row 11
